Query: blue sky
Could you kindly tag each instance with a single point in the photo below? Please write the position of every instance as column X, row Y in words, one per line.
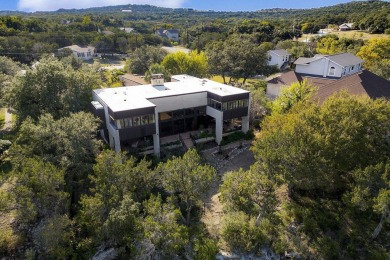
column 217, row 5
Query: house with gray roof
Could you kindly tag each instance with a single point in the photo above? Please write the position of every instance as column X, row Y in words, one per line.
column 171, row 34
column 332, row 74
column 279, row 58
column 329, row 66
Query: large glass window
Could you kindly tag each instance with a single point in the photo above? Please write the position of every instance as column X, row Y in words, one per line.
column 234, row 104
column 133, row 121
column 214, row 104
column 151, row 119
column 145, row 120
column 136, row 121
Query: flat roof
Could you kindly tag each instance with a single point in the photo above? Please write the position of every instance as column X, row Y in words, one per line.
column 135, row 97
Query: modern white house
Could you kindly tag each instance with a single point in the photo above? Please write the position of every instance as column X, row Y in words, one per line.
column 171, row 34
column 329, row 66
column 84, row 53
column 330, row 74
column 279, row 58
column 167, row 108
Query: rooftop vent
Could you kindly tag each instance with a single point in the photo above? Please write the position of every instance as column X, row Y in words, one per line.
column 157, row 79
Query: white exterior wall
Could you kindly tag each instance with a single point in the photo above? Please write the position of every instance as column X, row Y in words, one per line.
column 112, row 132
column 353, row 69
column 337, row 72
column 218, row 115
column 173, row 36
column 322, row 68
column 86, row 56
column 277, row 60
column 165, row 104
column 314, row 68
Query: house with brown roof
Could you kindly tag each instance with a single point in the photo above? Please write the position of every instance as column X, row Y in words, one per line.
column 132, row 80
column 331, row 74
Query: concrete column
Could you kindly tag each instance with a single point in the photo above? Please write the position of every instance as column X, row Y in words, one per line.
column 156, row 145
column 218, row 129
column 117, row 141
column 156, row 137
column 245, row 119
column 111, row 140
column 245, row 124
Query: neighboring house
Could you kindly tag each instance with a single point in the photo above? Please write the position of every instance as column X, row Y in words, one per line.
column 127, row 29
column 166, row 108
column 171, row 34
column 329, row 66
column 346, row 75
column 108, row 33
column 84, row 53
column 280, row 58
column 345, row 27
column 132, row 80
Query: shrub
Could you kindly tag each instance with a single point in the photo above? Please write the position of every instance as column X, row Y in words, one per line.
column 205, row 249
column 240, row 232
column 236, row 136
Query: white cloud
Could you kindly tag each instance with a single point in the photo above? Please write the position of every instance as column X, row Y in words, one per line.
column 52, row 5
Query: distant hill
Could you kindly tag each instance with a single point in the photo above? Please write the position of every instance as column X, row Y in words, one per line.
column 349, row 10
column 359, row 12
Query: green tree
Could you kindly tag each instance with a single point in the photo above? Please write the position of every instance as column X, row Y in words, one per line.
column 162, row 226
column 51, row 87
column 239, row 58
column 8, row 69
column 69, row 143
column 157, row 69
column 8, row 66
column 39, row 191
column 314, row 147
column 371, row 192
column 218, row 62
column 249, row 191
column 318, row 154
column 142, row 58
column 260, row 103
column 376, row 56
column 54, row 237
column 296, row 93
column 187, row 177
column 114, row 177
column 194, row 64
column 123, row 225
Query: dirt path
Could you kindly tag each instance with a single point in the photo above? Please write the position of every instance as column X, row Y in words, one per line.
column 7, row 121
column 233, row 158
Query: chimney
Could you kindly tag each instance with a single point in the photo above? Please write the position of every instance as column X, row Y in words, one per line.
column 157, row 80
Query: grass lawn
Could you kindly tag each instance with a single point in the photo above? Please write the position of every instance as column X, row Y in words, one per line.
column 354, row 34
column 249, row 81
column 2, row 117
column 107, row 60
